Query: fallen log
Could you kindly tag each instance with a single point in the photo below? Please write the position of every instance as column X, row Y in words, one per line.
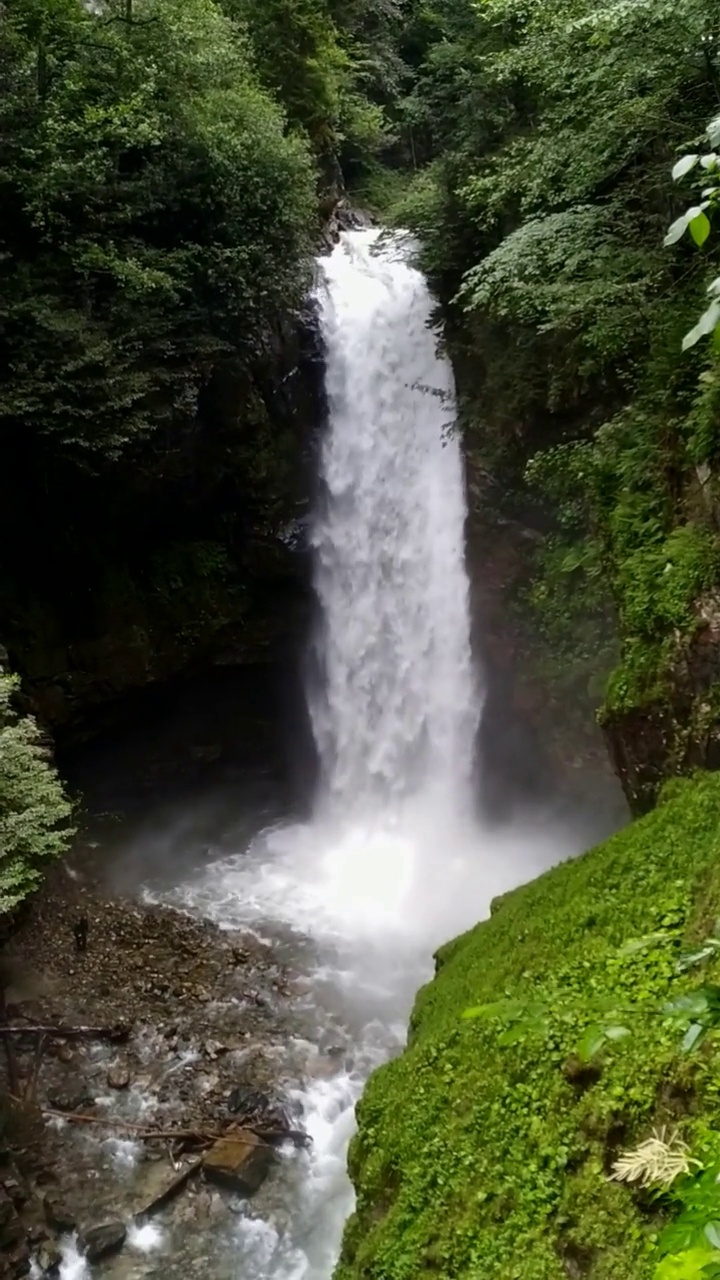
column 130, row 1126
column 203, row 1137
column 116, row 1033
column 169, row 1192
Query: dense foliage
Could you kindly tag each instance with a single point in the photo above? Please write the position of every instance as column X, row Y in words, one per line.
column 154, row 214
column 34, row 811
column 487, row 1155
column 547, row 134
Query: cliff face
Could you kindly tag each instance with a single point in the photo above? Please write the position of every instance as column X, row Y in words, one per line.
column 195, row 560
column 595, row 557
column 539, row 727
column 485, row 1149
column 675, row 728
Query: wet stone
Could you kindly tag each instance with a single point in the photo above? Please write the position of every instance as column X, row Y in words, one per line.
column 241, row 1163
column 49, row 1258
column 248, row 1103
column 17, row 1260
column 100, row 1241
column 58, row 1215
column 119, row 1076
column 72, row 1094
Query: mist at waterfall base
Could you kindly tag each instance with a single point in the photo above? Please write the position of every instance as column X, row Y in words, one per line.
column 393, row 861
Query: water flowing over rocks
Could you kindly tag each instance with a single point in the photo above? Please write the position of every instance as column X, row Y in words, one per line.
column 202, row 1066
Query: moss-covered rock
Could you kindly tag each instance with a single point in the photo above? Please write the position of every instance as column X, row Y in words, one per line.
column 477, row 1160
column 662, row 711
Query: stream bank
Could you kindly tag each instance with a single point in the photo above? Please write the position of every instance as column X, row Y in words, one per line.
column 213, row 1049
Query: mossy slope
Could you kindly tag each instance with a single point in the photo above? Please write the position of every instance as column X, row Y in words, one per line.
column 478, row 1161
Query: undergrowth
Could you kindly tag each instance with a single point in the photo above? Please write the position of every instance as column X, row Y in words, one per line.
column 475, row 1159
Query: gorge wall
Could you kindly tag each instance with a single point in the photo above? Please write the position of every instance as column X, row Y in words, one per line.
column 197, row 561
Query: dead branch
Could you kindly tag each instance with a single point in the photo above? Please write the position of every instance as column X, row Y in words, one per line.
column 31, row 1086
column 267, row 1136
column 117, row 1033
column 169, row 1192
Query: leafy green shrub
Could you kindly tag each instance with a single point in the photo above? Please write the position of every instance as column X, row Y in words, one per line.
column 155, row 220
column 35, row 814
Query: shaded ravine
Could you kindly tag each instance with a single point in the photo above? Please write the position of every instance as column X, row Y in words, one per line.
column 393, row 860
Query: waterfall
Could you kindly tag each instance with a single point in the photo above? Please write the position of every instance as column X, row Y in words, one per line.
column 396, row 710
column 392, row 862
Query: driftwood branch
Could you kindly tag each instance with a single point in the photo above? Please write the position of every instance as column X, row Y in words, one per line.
column 117, row 1033
column 171, row 1190
column 31, row 1087
column 205, row 1136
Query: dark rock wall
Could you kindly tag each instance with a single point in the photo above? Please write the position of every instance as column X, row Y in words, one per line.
column 194, row 560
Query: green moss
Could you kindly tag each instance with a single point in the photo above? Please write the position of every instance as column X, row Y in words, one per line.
column 478, row 1161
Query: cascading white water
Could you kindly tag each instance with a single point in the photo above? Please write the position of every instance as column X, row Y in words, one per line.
column 396, row 709
column 392, row 862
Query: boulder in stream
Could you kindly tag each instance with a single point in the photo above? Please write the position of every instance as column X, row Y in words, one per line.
column 119, row 1076
column 49, row 1259
column 58, row 1215
column 103, row 1240
column 241, row 1162
column 255, row 1109
column 71, row 1095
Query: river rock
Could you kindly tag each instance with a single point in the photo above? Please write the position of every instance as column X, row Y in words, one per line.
column 119, row 1076
column 100, row 1241
column 16, row 1260
column 57, row 1214
column 14, row 1252
column 251, row 1104
column 241, row 1163
column 49, row 1258
column 72, row 1094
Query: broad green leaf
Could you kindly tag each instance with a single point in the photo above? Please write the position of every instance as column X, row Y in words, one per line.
column 693, row 1037
column 617, row 1033
column 683, row 166
column 481, row 1011
column 705, row 325
column 591, row 1043
column 513, row 1034
column 713, row 944
column 699, row 229
column 712, row 1232
column 676, row 231
column 693, row 1003
column 688, row 1265
column 506, row 1009
column 635, row 945
column 711, row 992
